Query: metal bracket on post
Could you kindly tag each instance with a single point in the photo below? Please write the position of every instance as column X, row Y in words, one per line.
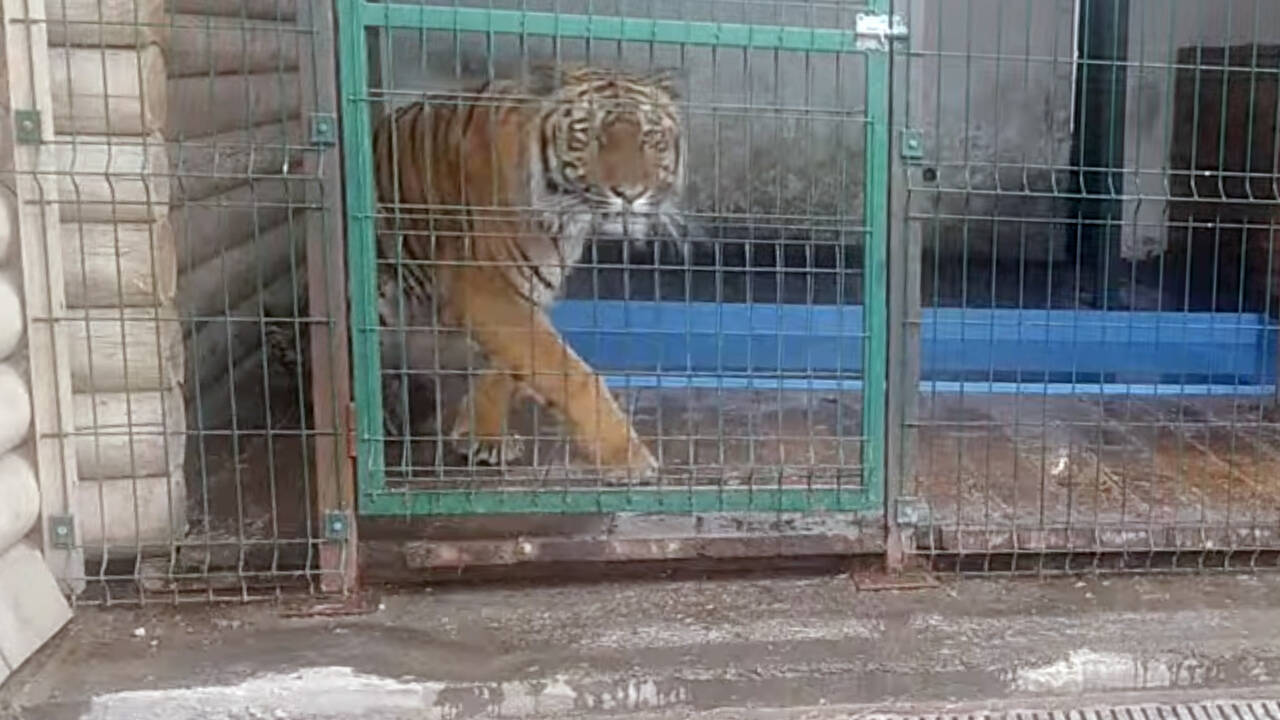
column 62, row 532
column 324, row 129
column 336, row 525
column 875, row 32
column 909, row 513
column 912, row 144
column 26, row 125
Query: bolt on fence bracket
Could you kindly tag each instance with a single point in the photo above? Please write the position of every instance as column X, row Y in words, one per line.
column 324, row 129
column 26, row 125
column 875, row 32
column 62, row 531
column 912, row 144
column 336, row 525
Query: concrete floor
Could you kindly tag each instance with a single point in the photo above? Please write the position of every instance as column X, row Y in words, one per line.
column 778, row 648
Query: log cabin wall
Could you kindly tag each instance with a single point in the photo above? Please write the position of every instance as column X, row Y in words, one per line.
column 178, row 122
column 37, row 464
column 108, row 81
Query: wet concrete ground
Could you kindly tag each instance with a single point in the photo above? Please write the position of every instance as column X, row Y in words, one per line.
column 778, row 648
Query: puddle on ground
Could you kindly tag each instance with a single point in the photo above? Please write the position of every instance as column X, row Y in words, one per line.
column 1088, row 671
column 325, row 692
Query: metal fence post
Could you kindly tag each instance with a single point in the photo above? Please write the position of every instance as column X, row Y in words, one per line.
column 30, row 155
column 326, row 276
column 903, row 300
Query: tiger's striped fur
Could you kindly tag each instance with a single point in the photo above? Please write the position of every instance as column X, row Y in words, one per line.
column 489, row 200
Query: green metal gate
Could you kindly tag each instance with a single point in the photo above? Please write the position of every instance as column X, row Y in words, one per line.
column 817, row 363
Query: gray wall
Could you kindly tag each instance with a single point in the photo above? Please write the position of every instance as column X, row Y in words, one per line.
column 777, row 138
column 1157, row 30
column 990, row 90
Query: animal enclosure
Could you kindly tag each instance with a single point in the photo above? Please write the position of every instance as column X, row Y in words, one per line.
column 1095, row 215
column 987, row 284
column 746, row 350
column 169, row 156
column 1079, row 206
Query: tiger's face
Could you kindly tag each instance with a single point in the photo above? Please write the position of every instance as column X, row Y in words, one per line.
column 614, row 149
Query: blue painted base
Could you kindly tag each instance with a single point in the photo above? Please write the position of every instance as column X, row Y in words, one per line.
column 712, row 345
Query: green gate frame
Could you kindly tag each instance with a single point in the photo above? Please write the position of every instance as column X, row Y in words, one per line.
column 356, row 17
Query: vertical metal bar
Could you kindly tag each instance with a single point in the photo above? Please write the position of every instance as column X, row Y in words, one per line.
column 358, row 170
column 326, row 285
column 903, row 301
column 875, row 261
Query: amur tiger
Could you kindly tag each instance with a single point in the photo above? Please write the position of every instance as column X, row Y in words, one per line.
column 488, row 200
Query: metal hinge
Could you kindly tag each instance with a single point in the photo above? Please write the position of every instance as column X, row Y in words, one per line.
column 26, row 124
column 875, row 32
column 62, row 532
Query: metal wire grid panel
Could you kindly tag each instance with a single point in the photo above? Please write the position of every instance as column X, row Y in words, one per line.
column 1092, row 201
column 751, row 364
column 199, row 289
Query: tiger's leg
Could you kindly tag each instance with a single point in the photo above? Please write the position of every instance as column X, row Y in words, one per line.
column 480, row 429
column 519, row 338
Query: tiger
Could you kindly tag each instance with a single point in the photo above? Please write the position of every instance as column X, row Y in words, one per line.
column 495, row 193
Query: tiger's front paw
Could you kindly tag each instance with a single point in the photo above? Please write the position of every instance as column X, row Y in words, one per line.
column 492, row 451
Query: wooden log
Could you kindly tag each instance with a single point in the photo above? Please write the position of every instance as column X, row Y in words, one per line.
column 204, row 228
column 11, row 317
column 106, row 23
column 216, row 346
column 119, row 265
column 129, row 434
column 106, row 179
column 15, row 398
column 130, row 512
column 21, row 507
column 108, row 91
column 204, row 45
column 252, row 9
column 208, row 166
column 119, row 349
column 224, row 103
column 226, row 280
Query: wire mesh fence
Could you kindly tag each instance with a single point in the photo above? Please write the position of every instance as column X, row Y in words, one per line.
column 1094, row 211
column 700, row 252
column 195, row 294
column 993, row 279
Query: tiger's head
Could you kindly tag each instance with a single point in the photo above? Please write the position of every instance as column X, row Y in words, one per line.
column 613, row 146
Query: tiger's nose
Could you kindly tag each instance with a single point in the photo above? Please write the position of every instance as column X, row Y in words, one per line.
column 629, row 193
